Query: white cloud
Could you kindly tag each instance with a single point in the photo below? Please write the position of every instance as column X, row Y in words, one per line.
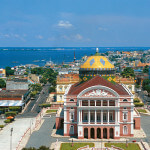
column 16, row 35
column 6, row 35
column 39, row 37
column 64, row 24
column 51, row 39
column 78, row 37
column 102, row 29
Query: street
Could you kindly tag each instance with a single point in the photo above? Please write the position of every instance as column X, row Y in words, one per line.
column 33, row 107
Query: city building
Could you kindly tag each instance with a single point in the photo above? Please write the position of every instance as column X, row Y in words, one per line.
column 128, row 82
column 62, row 83
column 17, row 84
column 98, row 107
column 13, row 98
column 33, row 78
column 2, row 73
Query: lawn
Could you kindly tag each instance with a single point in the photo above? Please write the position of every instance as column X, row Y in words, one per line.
column 67, row 146
column 131, row 146
column 51, row 110
column 142, row 110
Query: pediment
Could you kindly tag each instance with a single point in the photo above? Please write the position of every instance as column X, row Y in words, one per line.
column 98, row 91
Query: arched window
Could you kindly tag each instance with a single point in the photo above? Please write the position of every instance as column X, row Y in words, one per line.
column 71, row 129
column 125, row 100
column 125, row 116
column 60, row 88
column 71, row 100
column 125, row 130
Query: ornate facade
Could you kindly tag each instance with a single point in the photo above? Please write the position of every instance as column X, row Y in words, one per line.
column 98, row 107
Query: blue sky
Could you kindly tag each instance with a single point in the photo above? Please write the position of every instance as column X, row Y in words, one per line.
column 48, row 23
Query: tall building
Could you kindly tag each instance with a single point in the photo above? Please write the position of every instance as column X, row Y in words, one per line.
column 62, row 83
column 2, row 73
column 97, row 106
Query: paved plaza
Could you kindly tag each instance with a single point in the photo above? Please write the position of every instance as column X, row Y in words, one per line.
column 43, row 135
column 19, row 128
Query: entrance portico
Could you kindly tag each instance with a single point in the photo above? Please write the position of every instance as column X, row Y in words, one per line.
column 99, row 132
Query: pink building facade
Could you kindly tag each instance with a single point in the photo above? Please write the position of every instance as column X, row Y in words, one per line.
column 98, row 109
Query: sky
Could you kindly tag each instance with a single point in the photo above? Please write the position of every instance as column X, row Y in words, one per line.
column 74, row 23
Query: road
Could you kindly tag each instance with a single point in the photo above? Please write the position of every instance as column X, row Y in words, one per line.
column 144, row 98
column 45, row 131
column 33, row 107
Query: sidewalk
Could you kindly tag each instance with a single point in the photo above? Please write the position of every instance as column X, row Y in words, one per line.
column 20, row 126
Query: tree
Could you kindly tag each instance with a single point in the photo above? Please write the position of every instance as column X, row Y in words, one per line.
column 146, row 69
column 36, row 87
column 33, row 93
column 2, row 83
column 43, row 80
column 43, row 148
column 128, row 72
column 52, row 89
column 9, row 71
column 26, row 73
column 30, row 148
column 145, row 82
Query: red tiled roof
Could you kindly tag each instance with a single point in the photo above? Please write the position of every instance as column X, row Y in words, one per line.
column 97, row 80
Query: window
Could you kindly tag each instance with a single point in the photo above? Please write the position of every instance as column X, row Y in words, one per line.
column 60, row 97
column 92, row 103
column 71, row 100
column 60, row 88
column 92, row 116
column 98, row 116
column 71, row 129
column 72, row 116
column 124, row 116
column 84, row 103
column 104, row 117
column 111, row 116
column 85, row 116
column 125, row 100
column 125, row 130
column 104, row 103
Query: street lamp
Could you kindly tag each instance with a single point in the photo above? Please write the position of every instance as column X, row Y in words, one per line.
column 31, row 122
column 11, row 130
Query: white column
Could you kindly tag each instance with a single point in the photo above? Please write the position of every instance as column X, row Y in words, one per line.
column 89, row 117
column 95, row 102
column 115, row 102
column 101, row 116
column 108, row 116
column 101, row 102
column 79, row 116
column 95, row 117
column 88, row 102
column 107, row 102
column 80, row 103
column 118, row 115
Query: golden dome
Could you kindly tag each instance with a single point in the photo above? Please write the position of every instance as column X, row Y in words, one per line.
column 97, row 62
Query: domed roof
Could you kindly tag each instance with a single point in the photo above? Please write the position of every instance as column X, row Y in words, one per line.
column 97, row 62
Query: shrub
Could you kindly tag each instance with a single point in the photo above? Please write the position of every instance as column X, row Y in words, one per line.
column 1, row 126
column 136, row 100
column 11, row 113
column 45, row 105
column 2, row 110
column 7, row 121
column 139, row 104
column 33, row 93
column 15, row 108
